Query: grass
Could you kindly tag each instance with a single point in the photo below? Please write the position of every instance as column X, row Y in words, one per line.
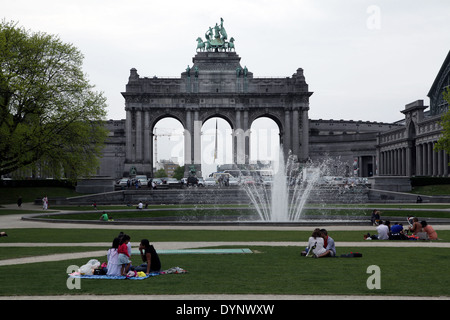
column 272, row 270
column 33, row 235
column 433, row 190
column 269, row 270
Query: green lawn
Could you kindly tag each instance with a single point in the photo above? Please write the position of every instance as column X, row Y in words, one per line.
column 104, row 235
column 270, row 270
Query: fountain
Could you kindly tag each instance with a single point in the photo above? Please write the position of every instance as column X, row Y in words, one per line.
column 285, row 199
column 283, row 203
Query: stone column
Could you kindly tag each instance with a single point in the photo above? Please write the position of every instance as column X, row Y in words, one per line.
column 305, row 135
column 197, row 143
column 435, row 161
column 147, row 140
column 188, row 141
column 239, row 140
column 287, row 133
column 418, row 160
column 139, row 136
column 424, row 159
column 246, row 126
column 407, row 161
column 129, row 135
column 295, row 133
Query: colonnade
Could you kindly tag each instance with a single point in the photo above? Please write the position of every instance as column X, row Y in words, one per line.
column 430, row 162
column 418, row 160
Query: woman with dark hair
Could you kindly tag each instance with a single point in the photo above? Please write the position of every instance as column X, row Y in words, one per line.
column 316, row 242
column 432, row 235
column 112, row 257
column 149, row 256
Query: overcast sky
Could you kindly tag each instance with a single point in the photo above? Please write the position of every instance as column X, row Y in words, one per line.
column 364, row 60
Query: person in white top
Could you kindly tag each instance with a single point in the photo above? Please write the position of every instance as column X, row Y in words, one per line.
column 383, row 231
column 112, row 256
column 315, row 243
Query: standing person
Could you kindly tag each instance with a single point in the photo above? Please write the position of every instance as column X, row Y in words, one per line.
column 19, row 202
column 113, row 256
column 315, row 243
column 45, row 203
column 432, row 235
column 328, row 243
column 149, row 256
column 124, row 256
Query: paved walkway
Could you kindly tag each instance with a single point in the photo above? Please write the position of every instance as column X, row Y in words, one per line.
column 15, row 221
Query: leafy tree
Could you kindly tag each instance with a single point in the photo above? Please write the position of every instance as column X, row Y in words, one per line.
column 161, row 173
column 179, row 173
column 49, row 114
column 444, row 141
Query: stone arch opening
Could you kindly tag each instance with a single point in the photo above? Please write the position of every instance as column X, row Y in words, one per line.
column 167, row 143
column 216, row 144
column 265, row 139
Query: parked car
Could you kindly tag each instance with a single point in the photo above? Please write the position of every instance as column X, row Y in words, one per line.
column 200, row 182
column 142, row 180
column 210, row 182
column 122, row 182
column 247, row 180
column 158, row 181
column 267, row 181
column 233, row 181
column 172, row 181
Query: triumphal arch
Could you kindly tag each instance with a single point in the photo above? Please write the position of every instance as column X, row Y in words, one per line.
column 216, row 85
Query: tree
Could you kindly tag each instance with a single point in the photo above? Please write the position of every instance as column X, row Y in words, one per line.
column 179, row 173
column 49, row 114
column 161, row 173
column 444, row 141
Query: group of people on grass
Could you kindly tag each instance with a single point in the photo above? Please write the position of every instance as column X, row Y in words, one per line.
column 119, row 257
column 419, row 230
column 321, row 244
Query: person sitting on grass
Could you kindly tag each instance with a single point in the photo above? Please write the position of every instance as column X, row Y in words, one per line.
column 112, row 257
column 383, row 230
column 316, row 242
column 104, row 216
column 416, row 227
column 375, row 218
column 150, row 258
column 328, row 244
column 397, row 232
column 432, row 235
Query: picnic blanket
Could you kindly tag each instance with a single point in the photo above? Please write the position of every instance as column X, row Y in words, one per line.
column 135, row 276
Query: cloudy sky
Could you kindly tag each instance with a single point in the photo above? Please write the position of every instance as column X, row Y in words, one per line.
column 364, row 60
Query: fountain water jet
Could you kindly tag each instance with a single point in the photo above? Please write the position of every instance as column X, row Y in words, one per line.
column 291, row 187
